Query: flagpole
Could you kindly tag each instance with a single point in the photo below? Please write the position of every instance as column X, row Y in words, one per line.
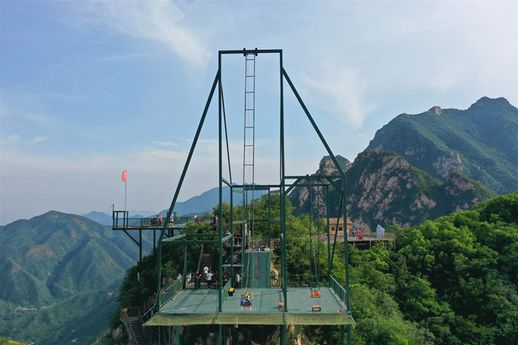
column 124, row 178
column 125, row 195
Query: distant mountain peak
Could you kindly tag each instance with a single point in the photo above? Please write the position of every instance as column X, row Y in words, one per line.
column 327, row 167
column 435, row 110
column 52, row 214
column 484, row 101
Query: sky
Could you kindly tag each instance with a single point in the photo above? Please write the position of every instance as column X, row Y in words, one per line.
column 91, row 88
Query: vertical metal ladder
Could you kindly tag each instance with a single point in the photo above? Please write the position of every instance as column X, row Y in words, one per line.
column 249, row 150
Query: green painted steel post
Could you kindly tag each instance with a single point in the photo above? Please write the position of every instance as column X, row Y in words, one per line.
column 282, row 189
column 310, row 190
column 177, row 333
column 313, row 123
column 179, row 187
column 342, row 335
column 220, row 335
column 283, row 335
column 346, row 259
column 342, row 175
column 184, row 264
column 140, row 246
column 346, row 250
column 269, row 219
column 154, row 240
column 220, row 185
column 232, row 280
column 329, row 268
column 318, row 242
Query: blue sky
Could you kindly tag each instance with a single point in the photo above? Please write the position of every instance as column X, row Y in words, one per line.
column 88, row 89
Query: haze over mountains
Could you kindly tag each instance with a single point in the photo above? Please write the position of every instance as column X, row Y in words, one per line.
column 59, row 272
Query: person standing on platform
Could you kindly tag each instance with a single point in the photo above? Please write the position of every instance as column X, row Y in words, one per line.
column 209, row 279
column 197, row 277
column 238, row 280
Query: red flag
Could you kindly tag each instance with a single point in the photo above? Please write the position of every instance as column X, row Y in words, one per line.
column 123, row 177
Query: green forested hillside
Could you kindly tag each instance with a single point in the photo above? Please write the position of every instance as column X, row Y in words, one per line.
column 57, row 276
column 78, row 319
column 453, row 281
column 57, row 255
column 480, row 142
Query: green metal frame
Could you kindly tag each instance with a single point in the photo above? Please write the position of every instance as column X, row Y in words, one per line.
column 284, row 187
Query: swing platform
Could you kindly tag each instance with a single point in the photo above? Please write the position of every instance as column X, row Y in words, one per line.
column 200, row 307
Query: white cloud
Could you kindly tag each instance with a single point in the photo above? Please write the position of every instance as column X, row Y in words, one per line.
column 160, row 21
column 165, row 143
column 37, row 140
column 8, row 113
column 342, row 93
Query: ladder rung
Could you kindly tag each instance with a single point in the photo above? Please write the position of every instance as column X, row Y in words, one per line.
column 236, row 222
column 250, row 109
column 249, row 164
column 249, row 91
column 250, row 76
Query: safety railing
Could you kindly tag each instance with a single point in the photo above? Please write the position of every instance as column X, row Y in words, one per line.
column 169, row 292
column 121, row 220
column 337, row 288
column 305, row 280
column 356, row 236
column 225, row 289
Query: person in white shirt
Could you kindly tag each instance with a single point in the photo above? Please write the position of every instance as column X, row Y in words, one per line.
column 238, row 280
column 209, row 279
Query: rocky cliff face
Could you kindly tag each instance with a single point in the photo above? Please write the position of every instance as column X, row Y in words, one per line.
column 300, row 196
column 384, row 188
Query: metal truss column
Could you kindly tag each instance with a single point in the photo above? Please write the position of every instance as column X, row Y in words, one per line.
column 284, row 280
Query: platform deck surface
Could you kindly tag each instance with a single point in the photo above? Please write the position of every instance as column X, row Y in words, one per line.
column 201, row 307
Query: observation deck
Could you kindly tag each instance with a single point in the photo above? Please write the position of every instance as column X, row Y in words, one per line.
column 200, row 307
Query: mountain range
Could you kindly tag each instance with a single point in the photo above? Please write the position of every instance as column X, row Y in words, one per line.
column 59, row 277
column 419, row 167
column 480, row 142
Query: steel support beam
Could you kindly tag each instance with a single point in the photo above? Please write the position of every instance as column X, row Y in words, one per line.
column 220, row 185
column 282, row 190
column 251, row 51
column 180, row 183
